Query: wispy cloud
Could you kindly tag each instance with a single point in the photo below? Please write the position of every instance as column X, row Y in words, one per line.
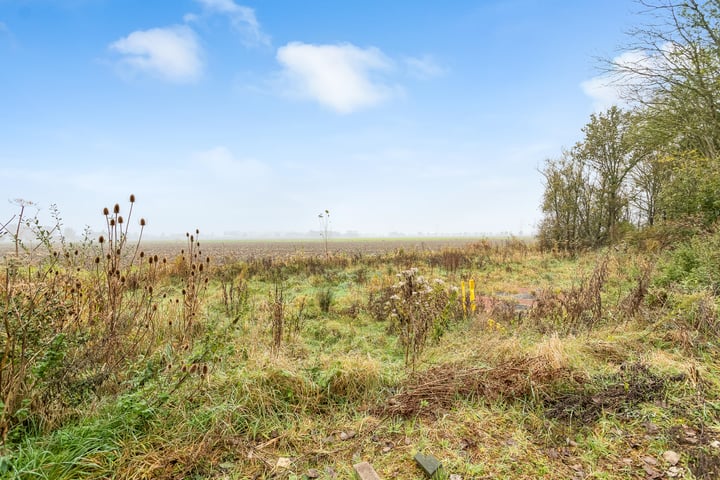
column 609, row 89
column 424, row 67
column 5, row 32
column 342, row 77
column 242, row 18
column 170, row 197
column 221, row 163
column 171, row 53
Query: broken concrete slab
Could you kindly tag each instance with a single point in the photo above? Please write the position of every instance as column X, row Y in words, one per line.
column 428, row 463
column 365, row 471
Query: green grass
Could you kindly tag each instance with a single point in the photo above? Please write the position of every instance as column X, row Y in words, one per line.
column 330, row 379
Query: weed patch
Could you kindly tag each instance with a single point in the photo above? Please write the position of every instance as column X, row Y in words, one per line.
column 620, row 392
column 436, row 389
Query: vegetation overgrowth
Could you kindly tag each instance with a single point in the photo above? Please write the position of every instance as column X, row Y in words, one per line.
column 500, row 358
column 590, row 353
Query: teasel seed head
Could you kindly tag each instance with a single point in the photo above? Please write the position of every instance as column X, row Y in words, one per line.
column 132, row 198
column 142, row 222
column 193, row 368
column 184, row 368
column 116, row 208
column 112, row 222
column 97, row 260
column 155, row 258
column 106, row 212
column 120, row 219
column 205, row 369
column 142, row 254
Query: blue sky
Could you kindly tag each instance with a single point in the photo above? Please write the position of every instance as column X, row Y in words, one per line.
column 403, row 116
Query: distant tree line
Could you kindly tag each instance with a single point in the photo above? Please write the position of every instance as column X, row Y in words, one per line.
column 656, row 163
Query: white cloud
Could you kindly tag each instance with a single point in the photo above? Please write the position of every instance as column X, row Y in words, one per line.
column 602, row 91
column 609, row 89
column 171, row 53
column 424, row 67
column 243, row 19
column 337, row 76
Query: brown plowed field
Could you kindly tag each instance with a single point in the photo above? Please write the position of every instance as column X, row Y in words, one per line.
column 243, row 249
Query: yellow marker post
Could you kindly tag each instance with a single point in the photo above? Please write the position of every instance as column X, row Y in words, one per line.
column 473, row 305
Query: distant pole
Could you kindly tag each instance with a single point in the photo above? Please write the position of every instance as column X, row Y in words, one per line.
column 324, row 219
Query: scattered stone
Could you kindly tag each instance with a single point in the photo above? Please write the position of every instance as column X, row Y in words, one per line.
column 226, row 466
column 649, row 460
column 571, row 443
column 627, row 461
column 651, row 472
column 715, row 444
column 283, row 462
column 671, row 457
column 674, row 472
column 347, row 435
column 365, row 471
column 330, row 472
column 428, row 463
column 651, row 427
column 387, row 448
column 455, row 476
column 407, row 441
column 313, row 473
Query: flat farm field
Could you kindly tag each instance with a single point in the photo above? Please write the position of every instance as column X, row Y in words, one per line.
column 222, row 251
